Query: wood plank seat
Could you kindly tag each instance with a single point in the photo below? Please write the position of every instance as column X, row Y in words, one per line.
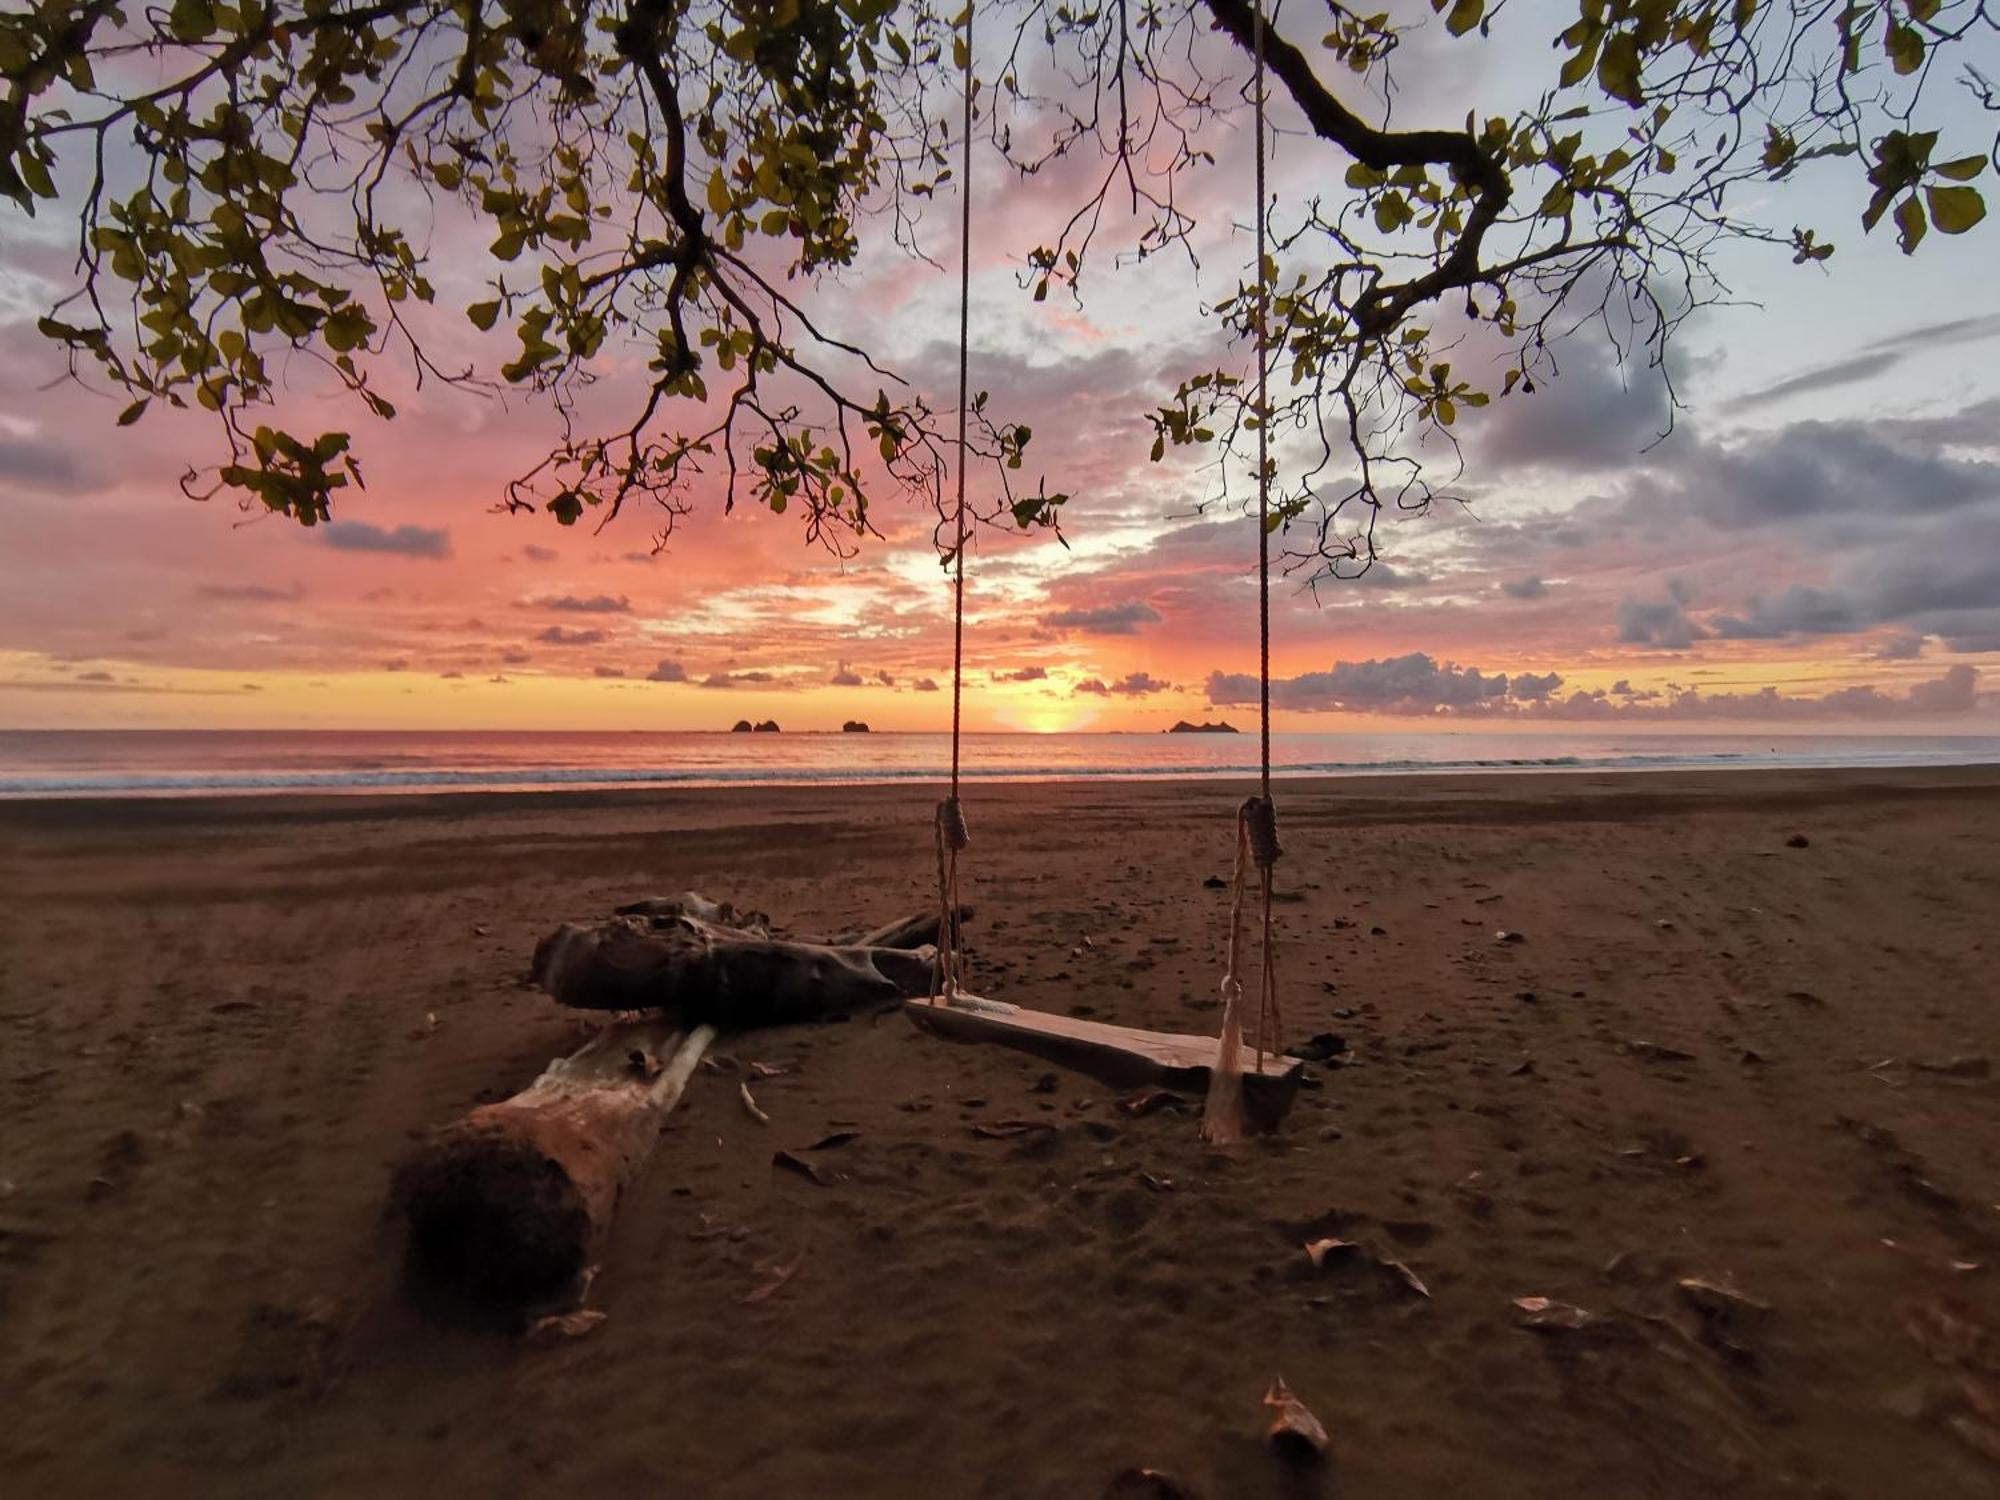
column 1120, row 1056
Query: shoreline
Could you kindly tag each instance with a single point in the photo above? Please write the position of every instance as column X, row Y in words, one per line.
column 1426, row 790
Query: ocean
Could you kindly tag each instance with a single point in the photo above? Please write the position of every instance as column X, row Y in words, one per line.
column 157, row 763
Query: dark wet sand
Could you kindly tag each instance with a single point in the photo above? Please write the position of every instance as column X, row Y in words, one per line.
column 214, row 1046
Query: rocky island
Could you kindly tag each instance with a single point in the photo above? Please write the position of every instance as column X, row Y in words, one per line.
column 1182, row 726
column 854, row 726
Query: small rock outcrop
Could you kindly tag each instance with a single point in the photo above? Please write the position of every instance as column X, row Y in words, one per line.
column 742, row 726
column 1182, row 726
column 854, row 726
column 769, row 726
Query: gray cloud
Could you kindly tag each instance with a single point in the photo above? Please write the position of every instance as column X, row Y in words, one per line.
column 1104, row 619
column 1402, row 684
column 731, row 679
column 1530, row 587
column 1875, row 359
column 1417, row 685
column 576, row 604
column 1593, row 415
column 558, row 635
column 1530, row 688
column 925, row 685
column 249, row 593
column 405, row 541
column 537, row 554
column 1904, row 645
column 604, row 671
column 1662, row 622
column 667, row 670
column 514, row 658
column 1022, row 674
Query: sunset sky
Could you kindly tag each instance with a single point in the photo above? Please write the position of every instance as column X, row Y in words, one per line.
column 1815, row 545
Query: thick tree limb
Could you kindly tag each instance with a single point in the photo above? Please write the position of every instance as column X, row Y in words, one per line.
column 513, row 1202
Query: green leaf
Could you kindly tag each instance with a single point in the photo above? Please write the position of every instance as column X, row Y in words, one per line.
column 1955, row 209
column 1910, row 224
column 1618, row 69
column 566, row 508
column 1465, row 14
column 1904, row 47
column 720, row 199
column 484, row 314
column 1963, row 170
column 132, row 413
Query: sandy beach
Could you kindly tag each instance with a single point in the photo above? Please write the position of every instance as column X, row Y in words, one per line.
column 217, row 1040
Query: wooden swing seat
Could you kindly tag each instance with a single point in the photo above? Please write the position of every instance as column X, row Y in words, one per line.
column 1120, row 1056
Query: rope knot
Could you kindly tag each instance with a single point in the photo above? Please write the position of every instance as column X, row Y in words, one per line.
column 1260, row 820
column 951, row 823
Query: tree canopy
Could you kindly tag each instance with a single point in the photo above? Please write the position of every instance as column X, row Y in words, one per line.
column 669, row 184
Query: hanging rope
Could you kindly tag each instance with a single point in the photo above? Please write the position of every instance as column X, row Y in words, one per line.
column 1257, row 819
column 952, row 834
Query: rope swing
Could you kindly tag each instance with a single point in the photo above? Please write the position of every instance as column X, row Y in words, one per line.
column 1223, row 1120
column 952, row 834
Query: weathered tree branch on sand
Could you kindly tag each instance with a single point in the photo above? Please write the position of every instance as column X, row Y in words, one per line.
column 512, row 1202
column 662, row 955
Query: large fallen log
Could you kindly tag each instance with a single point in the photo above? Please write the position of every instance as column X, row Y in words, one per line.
column 512, row 1202
column 664, row 956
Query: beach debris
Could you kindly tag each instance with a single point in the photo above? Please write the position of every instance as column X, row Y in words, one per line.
column 645, row 1064
column 702, row 961
column 1317, row 1251
column 1156, row 1184
column 1957, row 1067
column 767, row 1070
column 1798, row 841
column 1546, row 1315
column 791, row 1161
column 560, row 1328
column 1319, row 1048
column 834, row 1140
column 1508, row 935
column 1294, row 1433
column 777, row 1277
column 1665, row 924
column 1215, row 883
column 1146, row 1484
column 1148, row 1102
column 1655, row 1052
column 1321, row 1252
column 1946, row 1329
column 1718, row 1300
column 1007, row 1130
column 750, row 1104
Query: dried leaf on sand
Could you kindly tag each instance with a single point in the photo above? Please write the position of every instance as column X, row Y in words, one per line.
column 1294, row 1431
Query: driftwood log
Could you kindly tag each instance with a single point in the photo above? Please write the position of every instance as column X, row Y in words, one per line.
column 701, row 964
column 512, row 1202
